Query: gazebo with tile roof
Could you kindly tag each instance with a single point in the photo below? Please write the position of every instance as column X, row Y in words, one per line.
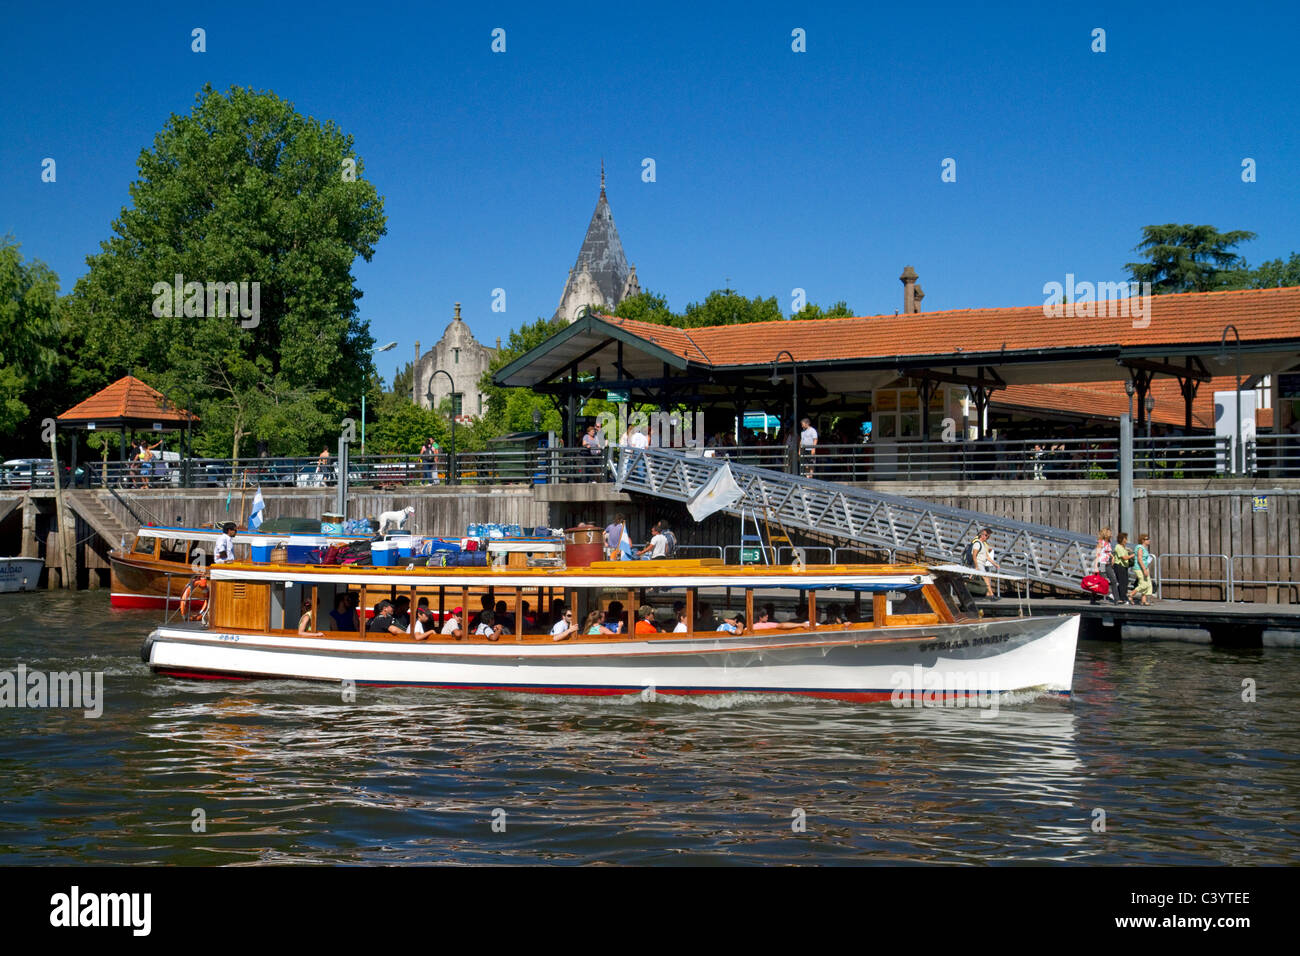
column 127, row 404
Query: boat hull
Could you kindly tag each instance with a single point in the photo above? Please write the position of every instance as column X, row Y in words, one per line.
column 146, row 584
column 958, row 660
column 20, row 574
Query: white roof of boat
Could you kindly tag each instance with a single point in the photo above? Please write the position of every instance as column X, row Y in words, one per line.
column 847, row 579
column 976, row 572
column 250, row 537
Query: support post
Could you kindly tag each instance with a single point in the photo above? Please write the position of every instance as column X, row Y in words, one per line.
column 341, row 502
column 1125, row 473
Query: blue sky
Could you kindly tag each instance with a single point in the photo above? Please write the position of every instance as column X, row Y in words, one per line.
column 775, row 170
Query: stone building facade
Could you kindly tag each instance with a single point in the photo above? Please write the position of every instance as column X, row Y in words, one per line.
column 462, row 357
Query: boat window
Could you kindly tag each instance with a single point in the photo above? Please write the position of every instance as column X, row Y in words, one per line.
column 174, row 549
column 909, row 602
column 835, row 607
column 144, row 545
column 956, row 592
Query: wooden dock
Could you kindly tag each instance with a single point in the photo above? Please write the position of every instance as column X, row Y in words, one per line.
column 1196, row 622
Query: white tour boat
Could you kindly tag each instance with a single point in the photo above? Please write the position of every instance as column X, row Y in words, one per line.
column 20, row 574
column 853, row 632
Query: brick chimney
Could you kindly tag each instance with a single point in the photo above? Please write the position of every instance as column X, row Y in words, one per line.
column 912, row 294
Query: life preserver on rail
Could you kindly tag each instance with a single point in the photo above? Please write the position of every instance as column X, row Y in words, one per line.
column 191, row 596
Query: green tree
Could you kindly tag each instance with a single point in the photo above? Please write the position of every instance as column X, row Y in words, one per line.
column 29, row 334
column 727, row 307
column 1187, row 258
column 1273, row 274
column 647, row 307
column 242, row 189
column 511, row 409
column 840, row 310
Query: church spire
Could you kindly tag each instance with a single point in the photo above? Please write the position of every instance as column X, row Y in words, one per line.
column 602, row 177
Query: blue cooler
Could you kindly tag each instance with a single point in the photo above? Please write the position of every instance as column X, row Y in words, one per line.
column 262, row 553
column 382, row 554
column 302, row 553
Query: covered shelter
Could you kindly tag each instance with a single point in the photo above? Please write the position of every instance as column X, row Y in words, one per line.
column 923, row 367
column 127, row 405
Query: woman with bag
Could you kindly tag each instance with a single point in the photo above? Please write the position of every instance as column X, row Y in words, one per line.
column 1142, row 568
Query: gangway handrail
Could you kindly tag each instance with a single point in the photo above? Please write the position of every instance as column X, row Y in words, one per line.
column 1042, row 553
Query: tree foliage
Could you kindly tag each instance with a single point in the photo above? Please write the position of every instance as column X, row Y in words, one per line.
column 242, row 189
column 29, row 335
column 1187, row 258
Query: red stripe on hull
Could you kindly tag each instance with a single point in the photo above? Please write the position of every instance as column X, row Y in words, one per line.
column 143, row 601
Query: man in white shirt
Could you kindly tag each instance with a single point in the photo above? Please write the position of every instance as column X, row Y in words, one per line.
column 564, row 628
column 451, row 626
column 808, row 443
column 658, row 546
column 487, row 626
column 639, row 439
column 224, row 552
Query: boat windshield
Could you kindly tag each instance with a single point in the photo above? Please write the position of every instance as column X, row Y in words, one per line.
column 956, row 592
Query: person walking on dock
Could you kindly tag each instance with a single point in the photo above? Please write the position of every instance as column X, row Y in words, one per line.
column 1142, row 568
column 982, row 551
column 1102, row 563
column 1122, row 561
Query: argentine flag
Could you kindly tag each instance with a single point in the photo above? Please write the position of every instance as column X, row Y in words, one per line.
column 255, row 516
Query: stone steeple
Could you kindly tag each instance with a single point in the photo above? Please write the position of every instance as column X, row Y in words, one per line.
column 601, row 275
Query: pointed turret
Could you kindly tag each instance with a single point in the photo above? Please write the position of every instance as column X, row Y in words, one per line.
column 600, row 276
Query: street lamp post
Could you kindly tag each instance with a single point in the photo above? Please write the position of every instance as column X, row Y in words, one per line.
column 792, row 464
column 1237, row 442
column 451, row 453
column 382, row 348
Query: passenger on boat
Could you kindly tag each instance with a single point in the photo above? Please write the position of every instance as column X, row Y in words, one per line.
column 424, row 624
column 614, row 617
column 564, row 628
column 224, row 552
column 682, row 625
column 705, row 619
column 383, row 621
column 595, row 623
column 343, row 615
column 835, row 614
column 615, row 534
column 645, row 620
column 733, row 625
column 304, row 622
column 488, row 627
column 485, row 607
column 503, row 617
column 402, row 612
column 530, row 621
column 765, row 622
column 451, row 626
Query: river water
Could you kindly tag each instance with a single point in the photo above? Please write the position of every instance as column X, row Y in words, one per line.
column 1157, row 760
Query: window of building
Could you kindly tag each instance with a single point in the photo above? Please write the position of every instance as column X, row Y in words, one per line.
column 455, row 356
column 457, row 401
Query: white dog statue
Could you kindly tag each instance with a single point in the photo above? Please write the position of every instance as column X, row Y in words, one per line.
column 394, row 520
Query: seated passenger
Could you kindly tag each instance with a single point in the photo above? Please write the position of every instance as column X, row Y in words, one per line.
column 765, row 622
column 424, row 624
column 595, row 623
column 504, row 618
column 383, row 623
column 835, row 614
column 304, row 622
column 645, row 623
column 344, row 615
column 733, row 625
column 614, row 617
column 487, row 626
column 451, row 627
column 681, row 627
column 402, row 612
column 564, row 628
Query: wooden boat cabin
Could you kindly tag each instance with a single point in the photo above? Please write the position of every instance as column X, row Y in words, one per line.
column 675, row 596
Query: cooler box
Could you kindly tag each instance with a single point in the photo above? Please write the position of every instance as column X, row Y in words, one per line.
column 303, row 554
column 382, row 554
column 262, row 553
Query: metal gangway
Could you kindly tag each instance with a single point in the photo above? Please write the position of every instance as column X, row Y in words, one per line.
column 878, row 521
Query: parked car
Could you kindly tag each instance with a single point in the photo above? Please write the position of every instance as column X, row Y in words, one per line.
column 29, row 473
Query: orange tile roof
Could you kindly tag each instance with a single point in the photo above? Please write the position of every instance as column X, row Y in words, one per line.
column 1109, row 400
column 127, row 398
column 1260, row 315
